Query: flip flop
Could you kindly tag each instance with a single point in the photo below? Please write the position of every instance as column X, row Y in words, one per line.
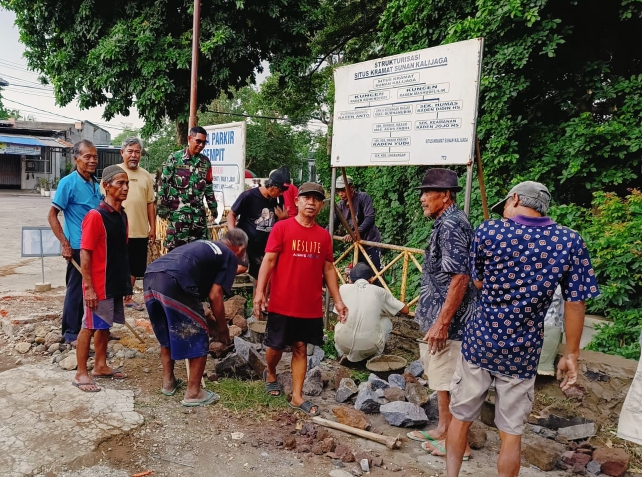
column 115, row 374
column 135, row 306
column 426, row 436
column 177, row 384
column 438, row 446
column 271, row 387
column 210, row 398
column 306, row 407
column 79, row 386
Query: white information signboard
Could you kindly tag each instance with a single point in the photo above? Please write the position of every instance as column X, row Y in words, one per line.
column 226, row 150
column 39, row 241
column 418, row 108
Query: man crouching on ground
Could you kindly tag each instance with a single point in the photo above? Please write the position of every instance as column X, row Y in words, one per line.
column 105, row 275
column 175, row 285
column 298, row 256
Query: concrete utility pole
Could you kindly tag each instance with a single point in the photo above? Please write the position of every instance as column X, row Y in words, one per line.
column 196, row 33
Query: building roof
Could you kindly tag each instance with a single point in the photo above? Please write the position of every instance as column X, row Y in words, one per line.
column 34, row 141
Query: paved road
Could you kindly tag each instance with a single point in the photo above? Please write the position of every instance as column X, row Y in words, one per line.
column 18, row 209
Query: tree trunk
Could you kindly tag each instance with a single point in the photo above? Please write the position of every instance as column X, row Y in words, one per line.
column 181, row 132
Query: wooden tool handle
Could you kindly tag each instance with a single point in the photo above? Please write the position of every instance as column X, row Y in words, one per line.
column 389, row 442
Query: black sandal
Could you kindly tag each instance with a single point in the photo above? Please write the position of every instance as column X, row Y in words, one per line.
column 306, row 406
column 272, row 387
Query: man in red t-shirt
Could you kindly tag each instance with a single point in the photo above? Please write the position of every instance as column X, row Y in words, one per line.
column 298, row 257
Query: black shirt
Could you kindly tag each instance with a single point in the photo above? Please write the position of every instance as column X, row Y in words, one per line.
column 257, row 217
column 197, row 266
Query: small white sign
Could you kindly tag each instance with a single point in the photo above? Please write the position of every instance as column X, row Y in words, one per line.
column 33, row 237
column 417, row 108
column 226, row 151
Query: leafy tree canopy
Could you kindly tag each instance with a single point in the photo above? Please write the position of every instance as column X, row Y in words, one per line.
column 120, row 53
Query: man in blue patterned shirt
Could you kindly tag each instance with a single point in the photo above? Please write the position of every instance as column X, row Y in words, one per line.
column 448, row 297
column 517, row 262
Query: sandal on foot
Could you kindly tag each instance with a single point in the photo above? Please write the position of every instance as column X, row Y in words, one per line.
column 115, row 374
column 306, row 406
column 80, row 386
column 210, row 398
column 412, row 435
column 439, row 447
column 272, row 387
column 177, row 384
column 135, row 306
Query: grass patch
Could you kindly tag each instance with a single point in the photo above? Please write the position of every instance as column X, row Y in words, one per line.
column 328, row 346
column 359, row 375
column 244, row 396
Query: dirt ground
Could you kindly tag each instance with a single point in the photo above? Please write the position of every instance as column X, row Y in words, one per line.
column 179, row 441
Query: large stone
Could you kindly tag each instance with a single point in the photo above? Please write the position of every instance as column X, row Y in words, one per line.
column 241, row 322
column 341, row 373
column 233, row 366
column 416, row 368
column 393, row 394
column 69, row 363
column 234, row 306
column 541, row 452
column 52, row 337
column 403, row 414
column 368, row 400
column 53, row 348
column 344, row 454
column 243, row 347
column 432, row 407
column 351, row 417
column 285, row 380
column 315, row 359
column 23, row 347
column 377, row 382
column 313, row 384
column 235, row 331
column 41, row 331
column 477, row 435
column 614, row 461
column 487, row 414
column 347, row 389
column 397, row 381
column 416, row 394
column 217, row 349
column 257, row 362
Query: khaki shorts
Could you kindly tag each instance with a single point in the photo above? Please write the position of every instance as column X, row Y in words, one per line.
column 513, row 396
column 440, row 367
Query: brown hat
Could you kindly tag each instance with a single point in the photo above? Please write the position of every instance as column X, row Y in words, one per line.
column 440, row 179
column 313, row 188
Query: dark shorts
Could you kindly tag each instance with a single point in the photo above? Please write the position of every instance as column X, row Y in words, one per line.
column 255, row 256
column 177, row 317
column 282, row 331
column 137, row 250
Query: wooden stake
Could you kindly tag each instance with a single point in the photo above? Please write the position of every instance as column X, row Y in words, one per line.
column 129, row 327
column 389, row 442
column 480, row 178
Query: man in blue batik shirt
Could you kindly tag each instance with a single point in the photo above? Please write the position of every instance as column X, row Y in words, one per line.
column 517, row 262
column 448, row 298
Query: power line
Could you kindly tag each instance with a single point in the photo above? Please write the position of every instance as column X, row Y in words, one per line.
column 24, row 81
column 41, row 110
column 249, row 115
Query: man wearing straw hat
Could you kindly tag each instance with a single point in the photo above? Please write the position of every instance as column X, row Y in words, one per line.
column 448, row 297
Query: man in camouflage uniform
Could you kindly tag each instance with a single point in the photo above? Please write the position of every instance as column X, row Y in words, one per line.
column 187, row 180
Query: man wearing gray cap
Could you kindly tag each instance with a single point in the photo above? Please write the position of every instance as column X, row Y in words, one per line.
column 365, row 212
column 517, row 262
column 448, row 298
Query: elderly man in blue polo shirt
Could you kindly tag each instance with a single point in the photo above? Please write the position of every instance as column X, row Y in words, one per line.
column 77, row 194
column 517, row 262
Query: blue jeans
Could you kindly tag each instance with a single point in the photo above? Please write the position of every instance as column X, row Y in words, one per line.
column 72, row 310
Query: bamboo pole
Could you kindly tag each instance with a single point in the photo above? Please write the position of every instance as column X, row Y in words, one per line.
column 388, row 246
column 350, row 206
column 345, row 224
column 480, row 178
column 344, row 254
column 404, row 277
column 365, row 255
column 416, row 262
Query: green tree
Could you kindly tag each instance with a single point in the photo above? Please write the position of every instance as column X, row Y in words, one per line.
column 128, row 131
column 124, row 52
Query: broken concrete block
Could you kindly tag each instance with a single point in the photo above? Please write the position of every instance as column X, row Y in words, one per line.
column 347, row 389
column 416, row 368
column 403, row 414
column 580, row 431
column 368, row 400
